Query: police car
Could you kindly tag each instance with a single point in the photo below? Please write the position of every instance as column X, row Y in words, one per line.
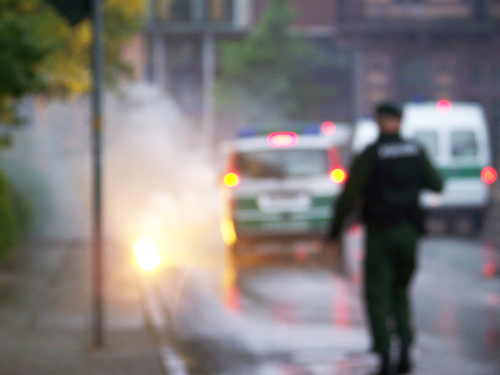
column 279, row 187
column 455, row 137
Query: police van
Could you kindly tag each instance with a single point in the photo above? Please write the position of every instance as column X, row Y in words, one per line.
column 279, row 187
column 455, row 136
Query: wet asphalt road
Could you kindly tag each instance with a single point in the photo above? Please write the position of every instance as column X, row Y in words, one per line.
column 296, row 319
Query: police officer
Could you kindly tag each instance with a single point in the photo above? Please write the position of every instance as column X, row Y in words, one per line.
column 387, row 179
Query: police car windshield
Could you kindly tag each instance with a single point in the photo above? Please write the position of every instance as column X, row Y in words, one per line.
column 283, row 163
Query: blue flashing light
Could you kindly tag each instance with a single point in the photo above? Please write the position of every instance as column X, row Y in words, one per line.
column 247, row 132
column 311, row 129
column 418, row 97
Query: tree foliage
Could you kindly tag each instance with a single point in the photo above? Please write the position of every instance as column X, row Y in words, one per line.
column 10, row 228
column 43, row 53
column 271, row 73
column 21, row 54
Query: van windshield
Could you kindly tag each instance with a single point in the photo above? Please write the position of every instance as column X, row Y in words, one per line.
column 463, row 144
column 428, row 139
column 283, row 163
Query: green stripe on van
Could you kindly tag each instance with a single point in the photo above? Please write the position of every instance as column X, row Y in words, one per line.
column 246, row 203
column 323, row 201
column 467, row 172
column 283, row 226
column 251, row 203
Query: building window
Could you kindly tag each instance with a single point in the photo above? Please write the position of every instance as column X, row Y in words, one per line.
column 444, row 73
column 173, row 10
column 194, row 10
column 220, row 10
column 415, row 77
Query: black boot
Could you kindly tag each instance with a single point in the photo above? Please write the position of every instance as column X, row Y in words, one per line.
column 385, row 366
column 405, row 360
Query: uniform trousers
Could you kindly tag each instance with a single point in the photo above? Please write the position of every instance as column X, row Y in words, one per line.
column 389, row 265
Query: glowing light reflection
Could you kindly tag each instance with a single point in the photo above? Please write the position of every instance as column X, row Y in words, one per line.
column 228, row 232
column 231, row 180
column 328, row 128
column 286, row 139
column 489, row 175
column 338, row 175
column 147, row 255
column 444, row 106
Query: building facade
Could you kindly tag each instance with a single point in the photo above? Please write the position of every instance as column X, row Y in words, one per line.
column 177, row 28
column 399, row 50
column 176, row 32
column 424, row 50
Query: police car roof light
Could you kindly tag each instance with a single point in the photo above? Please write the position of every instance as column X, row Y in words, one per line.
column 328, row 128
column 444, row 106
column 283, row 139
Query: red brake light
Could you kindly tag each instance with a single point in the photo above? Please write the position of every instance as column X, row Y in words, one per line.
column 283, row 139
column 231, row 179
column 338, row 175
column 489, row 175
column 444, row 106
column 328, row 128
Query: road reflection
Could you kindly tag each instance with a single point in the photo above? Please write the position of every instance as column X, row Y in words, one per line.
column 288, row 318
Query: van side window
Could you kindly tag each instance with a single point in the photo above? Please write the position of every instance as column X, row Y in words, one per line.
column 429, row 140
column 463, row 144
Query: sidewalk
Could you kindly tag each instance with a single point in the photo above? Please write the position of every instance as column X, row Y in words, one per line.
column 45, row 319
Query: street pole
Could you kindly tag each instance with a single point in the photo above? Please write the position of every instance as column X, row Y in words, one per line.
column 209, row 67
column 97, row 103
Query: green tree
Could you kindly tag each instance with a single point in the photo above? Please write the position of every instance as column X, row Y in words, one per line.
column 10, row 226
column 21, row 55
column 43, row 53
column 271, row 74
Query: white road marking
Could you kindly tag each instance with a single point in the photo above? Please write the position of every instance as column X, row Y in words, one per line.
column 173, row 362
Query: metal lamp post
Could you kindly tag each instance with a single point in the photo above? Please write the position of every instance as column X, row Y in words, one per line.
column 97, row 232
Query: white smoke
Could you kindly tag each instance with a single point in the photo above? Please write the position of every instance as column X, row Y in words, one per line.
column 157, row 180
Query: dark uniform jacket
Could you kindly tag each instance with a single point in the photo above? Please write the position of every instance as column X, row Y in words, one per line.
column 387, row 179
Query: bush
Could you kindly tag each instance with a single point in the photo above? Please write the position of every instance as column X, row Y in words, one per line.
column 14, row 220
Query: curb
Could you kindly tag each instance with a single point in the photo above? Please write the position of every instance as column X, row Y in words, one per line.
column 155, row 319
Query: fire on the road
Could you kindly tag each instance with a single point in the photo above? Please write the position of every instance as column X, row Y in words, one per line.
column 147, row 255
